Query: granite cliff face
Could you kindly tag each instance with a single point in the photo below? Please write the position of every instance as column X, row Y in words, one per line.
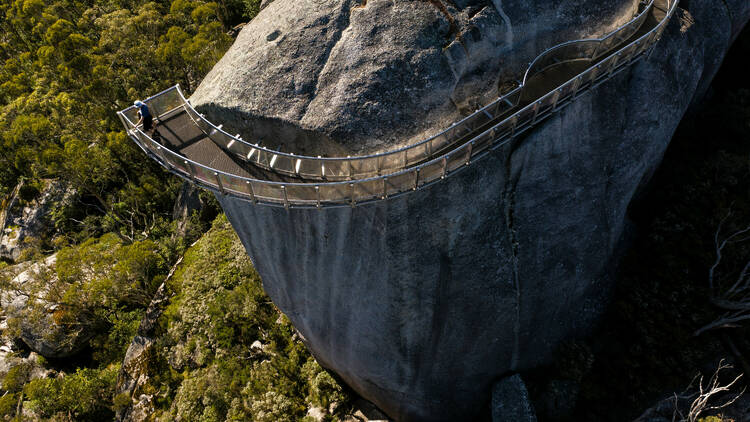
column 423, row 301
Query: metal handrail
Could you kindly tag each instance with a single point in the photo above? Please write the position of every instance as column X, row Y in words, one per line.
column 348, row 168
column 622, row 33
column 363, row 190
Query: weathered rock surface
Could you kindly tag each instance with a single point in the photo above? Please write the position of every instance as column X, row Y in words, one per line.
column 510, row 401
column 420, row 302
column 344, row 76
column 36, row 326
column 134, row 372
column 19, row 223
column 188, row 202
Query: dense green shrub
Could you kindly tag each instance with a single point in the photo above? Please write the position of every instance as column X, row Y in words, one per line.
column 85, row 395
column 16, row 377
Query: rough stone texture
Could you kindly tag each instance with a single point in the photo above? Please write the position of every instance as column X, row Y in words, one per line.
column 422, row 301
column 18, row 223
column 188, row 202
column 510, row 401
column 340, row 77
column 134, row 372
column 40, row 332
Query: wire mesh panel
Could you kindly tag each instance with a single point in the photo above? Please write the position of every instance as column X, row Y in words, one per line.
column 626, row 54
column 457, row 159
column 335, row 192
column 368, row 190
column 401, row 182
column 481, row 142
column 301, row 194
column 231, row 184
column 391, row 163
column 337, row 169
column 204, row 173
column 311, row 169
column 266, row 192
column 439, row 142
column 282, row 163
column 416, row 155
column 364, row 167
column 431, row 172
column 165, row 102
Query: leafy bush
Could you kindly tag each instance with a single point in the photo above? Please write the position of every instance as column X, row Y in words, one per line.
column 85, row 395
column 217, row 312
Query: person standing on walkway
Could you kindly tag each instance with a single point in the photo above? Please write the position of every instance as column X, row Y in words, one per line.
column 144, row 115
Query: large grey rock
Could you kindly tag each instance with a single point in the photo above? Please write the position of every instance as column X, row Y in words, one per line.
column 420, row 302
column 188, row 202
column 338, row 77
column 19, row 223
column 36, row 325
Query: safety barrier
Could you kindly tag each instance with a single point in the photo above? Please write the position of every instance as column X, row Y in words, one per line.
column 389, row 174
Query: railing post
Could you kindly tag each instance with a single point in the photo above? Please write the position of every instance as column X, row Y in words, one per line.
column 595, row 72
column 385, row 187
column 537, row 105
column 218, row 183
column 353, row 201
column 616, row 60
column 468, row 157
column 286, row 197
column 556, row 98
column 576, row 85
column 513, row 124
column 251, row 191
column 445, row 167
column 317, row 196
column 416, row 179
column 191, row 170
column 322, row 168
column 349, row 167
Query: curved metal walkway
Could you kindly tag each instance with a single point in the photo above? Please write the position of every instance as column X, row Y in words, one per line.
column 187, row 144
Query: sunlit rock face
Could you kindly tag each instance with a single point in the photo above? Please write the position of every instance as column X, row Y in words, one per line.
column 339, row 77
column 422, row 301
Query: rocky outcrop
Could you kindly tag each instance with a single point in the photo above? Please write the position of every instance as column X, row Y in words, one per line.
column 188, row 202
column 37, row 325
column 134, row 372
column 422, row 301
column 21, row 221
column 346, row 76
